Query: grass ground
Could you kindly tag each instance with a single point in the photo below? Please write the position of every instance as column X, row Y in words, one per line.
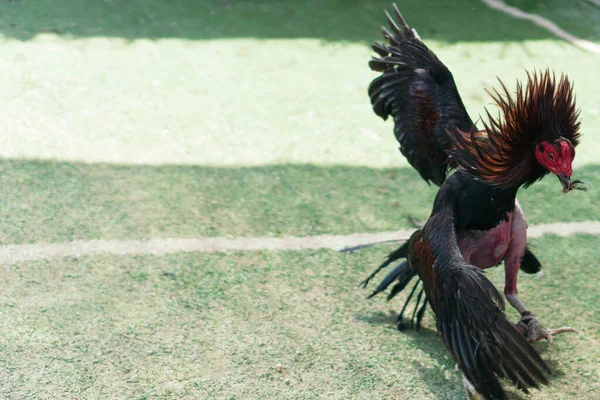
column 128, row 120
column 61, row 202
column 241, row 325
column 243, row 82
column 576, row 17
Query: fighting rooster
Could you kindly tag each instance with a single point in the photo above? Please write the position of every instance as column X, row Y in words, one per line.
column 418, row 91
column 476, row 221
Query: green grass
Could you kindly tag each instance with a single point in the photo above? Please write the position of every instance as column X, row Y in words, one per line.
column 60, row 202
column 243, row 83
column 579, row 18
column 134, row 120
column 238, row 325
column 335, row 20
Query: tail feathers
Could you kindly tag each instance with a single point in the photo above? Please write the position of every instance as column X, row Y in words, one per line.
column 402, row 273
column 365, row 245
column 387, row 281
column 397, row 254
column 485, row 345
column 530, row 264
column 404, row 276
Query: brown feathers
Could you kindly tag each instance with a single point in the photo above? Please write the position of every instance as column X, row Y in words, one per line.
column 503, row 155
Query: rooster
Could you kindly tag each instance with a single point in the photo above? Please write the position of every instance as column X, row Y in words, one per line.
column 418, row 91
column 476, row 221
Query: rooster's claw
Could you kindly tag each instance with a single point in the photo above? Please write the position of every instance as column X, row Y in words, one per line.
column 531, row 328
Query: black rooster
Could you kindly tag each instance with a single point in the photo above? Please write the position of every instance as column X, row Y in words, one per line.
column 476, row 221
column 418, row 91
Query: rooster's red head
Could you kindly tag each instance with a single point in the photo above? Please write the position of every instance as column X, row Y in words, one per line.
column 536, row 135
column 557, row 158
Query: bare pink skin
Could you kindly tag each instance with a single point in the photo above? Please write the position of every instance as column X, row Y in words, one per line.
column 486, row 249
column 507, row 242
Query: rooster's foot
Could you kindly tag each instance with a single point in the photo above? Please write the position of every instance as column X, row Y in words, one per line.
column 531, row 328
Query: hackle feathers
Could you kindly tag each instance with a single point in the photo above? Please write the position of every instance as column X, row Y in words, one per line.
column 503, row 154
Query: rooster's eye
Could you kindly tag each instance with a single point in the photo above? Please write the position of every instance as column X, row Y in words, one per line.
column 551, row 156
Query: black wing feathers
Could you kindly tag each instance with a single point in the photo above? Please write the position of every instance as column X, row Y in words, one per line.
column 402, row 273
column 418, row 91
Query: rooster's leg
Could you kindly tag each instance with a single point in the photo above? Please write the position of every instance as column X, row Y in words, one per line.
column 528, row 325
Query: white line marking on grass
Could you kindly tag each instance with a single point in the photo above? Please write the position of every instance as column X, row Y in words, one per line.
column 30, row 252
column 544, row 23
column 564, row 229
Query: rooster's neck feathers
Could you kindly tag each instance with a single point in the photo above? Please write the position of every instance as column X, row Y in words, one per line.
column 504, row 154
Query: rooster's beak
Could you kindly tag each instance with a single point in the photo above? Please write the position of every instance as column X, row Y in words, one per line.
column 565, row 181
column 569, row 185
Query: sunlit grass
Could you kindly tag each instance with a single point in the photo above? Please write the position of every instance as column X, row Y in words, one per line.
column 244, row 83
column 118, row 118
column 268, row 325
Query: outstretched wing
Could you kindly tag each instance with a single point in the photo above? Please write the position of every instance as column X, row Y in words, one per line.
column 469, row 313
column 418, row 91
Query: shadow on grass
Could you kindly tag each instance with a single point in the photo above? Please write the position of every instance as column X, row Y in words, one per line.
column 63, row 201
column 426, row 340
column 377, row 318
column 430, row 342
column 335, row 20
